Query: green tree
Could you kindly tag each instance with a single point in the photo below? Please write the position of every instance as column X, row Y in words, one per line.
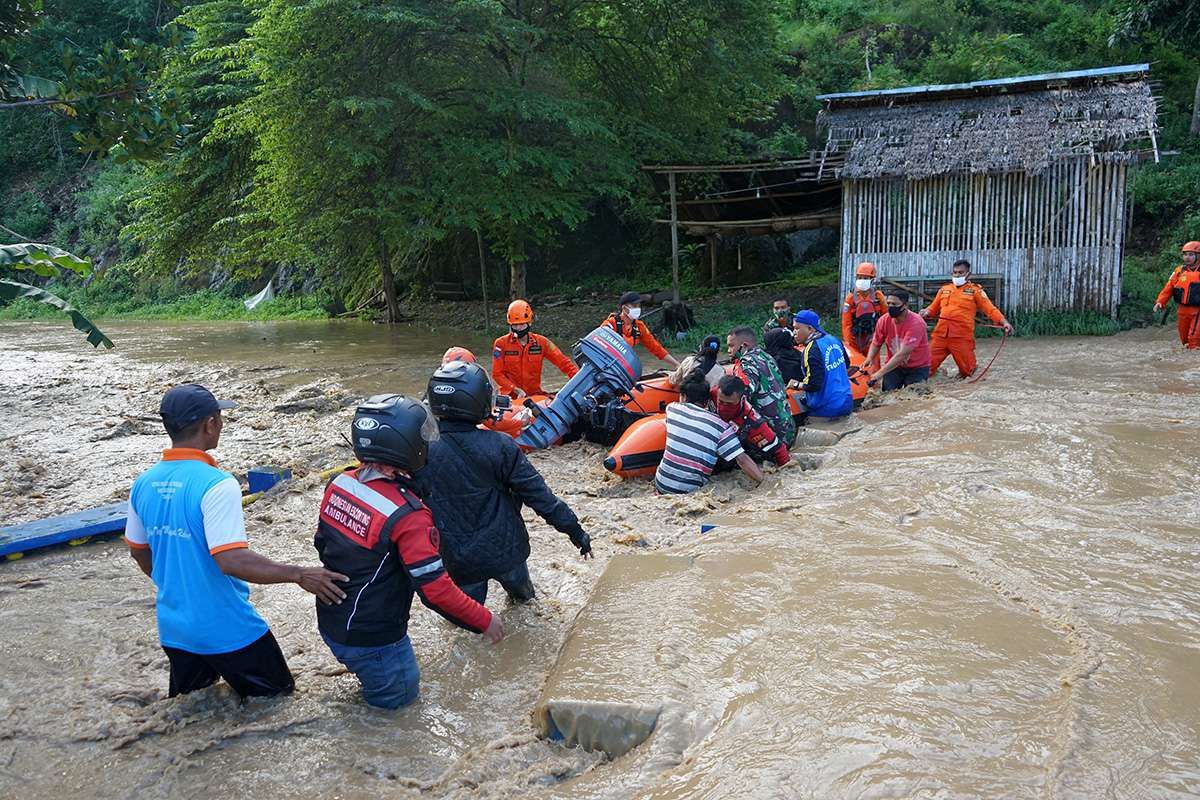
column 1175, row 20
column 46, row 261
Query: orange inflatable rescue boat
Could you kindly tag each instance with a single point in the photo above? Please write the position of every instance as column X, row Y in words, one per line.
column 640, row 448
column 517, row 417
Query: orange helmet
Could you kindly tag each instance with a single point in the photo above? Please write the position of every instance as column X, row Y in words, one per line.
column 458, row 354
column 520, row 313
column 866, row 269
column 1192, row 247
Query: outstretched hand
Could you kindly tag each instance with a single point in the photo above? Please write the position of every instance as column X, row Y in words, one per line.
column 322, row 583
column 495, row 630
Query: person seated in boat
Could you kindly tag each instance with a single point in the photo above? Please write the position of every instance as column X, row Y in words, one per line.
column 626, row 321
column 517, row 356
column 696, row 440
column 780, row 319
column 757, row 438
column 768, row 392
column 374, row 528
column 475, row 482
column 780, row 345
column 705, row 359
column 826, row 382
column 186, row 531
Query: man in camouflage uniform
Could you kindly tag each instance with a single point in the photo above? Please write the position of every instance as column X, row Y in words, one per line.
column 768, row 392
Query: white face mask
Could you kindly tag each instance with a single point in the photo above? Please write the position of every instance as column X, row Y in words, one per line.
column 634, row 313
column 862, row 284
column 959, row 280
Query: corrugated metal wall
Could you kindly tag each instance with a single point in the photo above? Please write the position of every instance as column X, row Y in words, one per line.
column 1054, row 239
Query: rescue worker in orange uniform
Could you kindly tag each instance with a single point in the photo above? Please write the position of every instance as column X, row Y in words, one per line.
column 861, row 310
column 1184, row 288
column 626, row 322
column 517, row 356
column 955, row 306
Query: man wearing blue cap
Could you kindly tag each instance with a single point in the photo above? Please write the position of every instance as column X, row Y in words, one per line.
column 826, row 382
column 186, row 531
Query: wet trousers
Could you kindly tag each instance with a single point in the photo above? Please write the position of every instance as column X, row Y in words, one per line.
column 961, row 348
column 1189, row 326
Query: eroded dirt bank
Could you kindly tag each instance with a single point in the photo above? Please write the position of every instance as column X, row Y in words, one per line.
column 987, row 591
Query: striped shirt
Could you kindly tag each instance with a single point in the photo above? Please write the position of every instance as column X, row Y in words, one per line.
column 696, row 439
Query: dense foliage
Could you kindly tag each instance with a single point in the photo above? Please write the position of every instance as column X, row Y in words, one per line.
column 360, row 146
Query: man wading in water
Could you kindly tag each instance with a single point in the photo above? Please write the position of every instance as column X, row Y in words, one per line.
column 186, row 531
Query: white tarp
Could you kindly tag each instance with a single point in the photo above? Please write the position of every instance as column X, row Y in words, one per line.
column 266, row 295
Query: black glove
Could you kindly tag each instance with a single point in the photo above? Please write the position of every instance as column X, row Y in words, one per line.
column 582, row 541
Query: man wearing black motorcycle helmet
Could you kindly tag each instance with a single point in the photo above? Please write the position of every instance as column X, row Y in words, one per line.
column 374, row 528
column 476, row 481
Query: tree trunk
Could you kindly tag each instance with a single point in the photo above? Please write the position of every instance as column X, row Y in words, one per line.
column 389, row 282
column 1196, row 110
column 516, row 272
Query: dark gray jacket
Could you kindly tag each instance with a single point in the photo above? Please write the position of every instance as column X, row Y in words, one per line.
column 475, row 482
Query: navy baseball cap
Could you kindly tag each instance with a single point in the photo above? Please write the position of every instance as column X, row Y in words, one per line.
column 629, row 298
column 187, row 404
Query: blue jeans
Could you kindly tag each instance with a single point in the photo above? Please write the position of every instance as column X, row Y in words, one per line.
column 516, row 582
column 904, row 376
column 389, row 674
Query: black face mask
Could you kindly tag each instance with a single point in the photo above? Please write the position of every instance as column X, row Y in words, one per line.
column 895, row 311
column 519, row 331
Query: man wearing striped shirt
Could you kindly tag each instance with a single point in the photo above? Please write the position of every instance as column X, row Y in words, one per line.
column 696, row 440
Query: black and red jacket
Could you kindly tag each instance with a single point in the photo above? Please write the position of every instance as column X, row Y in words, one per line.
column 381, row 536
column 753, row 429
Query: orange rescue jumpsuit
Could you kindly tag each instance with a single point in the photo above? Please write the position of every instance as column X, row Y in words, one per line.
column 517, row 366
column 861, row 304
column 954, row 335
column 1184, row 287
column 638, row 332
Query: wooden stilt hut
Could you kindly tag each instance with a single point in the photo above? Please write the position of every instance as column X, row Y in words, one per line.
column 1024, row 177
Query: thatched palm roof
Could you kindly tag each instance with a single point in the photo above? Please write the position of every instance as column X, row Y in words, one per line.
column 1014, row 125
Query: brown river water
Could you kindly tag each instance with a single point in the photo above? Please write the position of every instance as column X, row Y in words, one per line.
column 987, row 590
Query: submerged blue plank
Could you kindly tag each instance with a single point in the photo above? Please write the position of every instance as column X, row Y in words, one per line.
column 58, row 530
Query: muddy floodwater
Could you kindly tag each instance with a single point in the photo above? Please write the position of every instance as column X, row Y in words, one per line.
column 987, row 590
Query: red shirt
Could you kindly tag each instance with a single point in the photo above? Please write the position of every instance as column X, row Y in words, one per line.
column 909, row 329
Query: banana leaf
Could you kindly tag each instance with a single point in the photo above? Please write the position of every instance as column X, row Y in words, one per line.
column 43, row 259
column 13, row 290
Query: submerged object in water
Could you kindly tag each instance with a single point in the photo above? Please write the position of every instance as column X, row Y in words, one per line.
column 74, row 528
column 608, row 368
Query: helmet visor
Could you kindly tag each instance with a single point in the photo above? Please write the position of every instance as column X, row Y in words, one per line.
column 429, row 427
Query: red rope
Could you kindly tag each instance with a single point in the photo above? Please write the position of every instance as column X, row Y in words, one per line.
column 979, row 377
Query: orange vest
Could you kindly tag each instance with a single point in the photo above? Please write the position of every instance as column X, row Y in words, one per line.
column 519, row 366
column 635, row 333
column 956, row 306
column 1183, row 287
column 860, row 310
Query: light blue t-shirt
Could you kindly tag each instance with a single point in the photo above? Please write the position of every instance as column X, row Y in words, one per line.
column 185, row 510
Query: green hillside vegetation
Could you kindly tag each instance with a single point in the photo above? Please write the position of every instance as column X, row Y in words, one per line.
column 377, row 156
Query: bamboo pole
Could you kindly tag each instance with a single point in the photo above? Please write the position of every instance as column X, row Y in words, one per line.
column 675, row 240
column 487, row 313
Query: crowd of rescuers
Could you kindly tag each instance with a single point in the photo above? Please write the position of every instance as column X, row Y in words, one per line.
column 434, row 507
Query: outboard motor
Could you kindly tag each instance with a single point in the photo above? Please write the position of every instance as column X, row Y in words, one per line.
column 608, row 367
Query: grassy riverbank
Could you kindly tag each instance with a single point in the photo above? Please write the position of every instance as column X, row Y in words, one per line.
column 813, row 286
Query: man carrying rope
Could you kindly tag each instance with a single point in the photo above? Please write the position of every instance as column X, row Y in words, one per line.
column 954, row 307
